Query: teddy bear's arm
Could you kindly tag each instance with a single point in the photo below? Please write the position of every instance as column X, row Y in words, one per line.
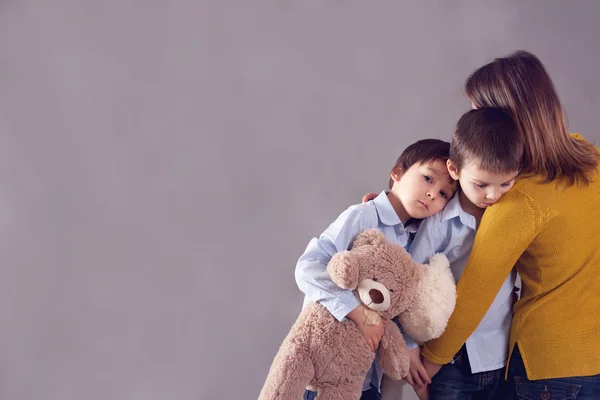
column 395, row 358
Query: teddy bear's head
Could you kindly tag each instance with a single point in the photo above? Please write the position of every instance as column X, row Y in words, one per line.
column 383, row 275
column 387, row 280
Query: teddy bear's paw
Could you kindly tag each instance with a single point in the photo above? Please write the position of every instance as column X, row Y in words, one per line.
column 396, row 369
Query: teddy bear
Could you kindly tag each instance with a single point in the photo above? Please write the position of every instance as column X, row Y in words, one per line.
column 333, row 357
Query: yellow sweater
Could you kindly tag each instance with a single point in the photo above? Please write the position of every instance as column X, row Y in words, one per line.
column 552, row 236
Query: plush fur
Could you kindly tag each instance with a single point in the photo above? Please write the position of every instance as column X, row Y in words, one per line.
column 333, row 357
column 428, row 316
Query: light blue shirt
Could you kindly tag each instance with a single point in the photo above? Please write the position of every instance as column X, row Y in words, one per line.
column 311, row 272
column 452, row 232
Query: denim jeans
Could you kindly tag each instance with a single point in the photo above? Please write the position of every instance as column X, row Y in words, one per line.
column 370, row 394
column 456, row 382
column 572, row 388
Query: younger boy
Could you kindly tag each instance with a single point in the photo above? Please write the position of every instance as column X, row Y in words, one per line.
column 419, row 187
column 485, row 157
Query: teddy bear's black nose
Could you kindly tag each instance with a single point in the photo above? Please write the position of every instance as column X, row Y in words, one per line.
column 376, row 296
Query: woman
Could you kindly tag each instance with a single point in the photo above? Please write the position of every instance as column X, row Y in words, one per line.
column 548, row 227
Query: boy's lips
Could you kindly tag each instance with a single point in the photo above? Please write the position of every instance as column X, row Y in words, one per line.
column 424, row 204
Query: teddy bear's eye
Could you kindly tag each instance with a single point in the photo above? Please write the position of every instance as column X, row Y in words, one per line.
column 375, row 279
column 391, row 290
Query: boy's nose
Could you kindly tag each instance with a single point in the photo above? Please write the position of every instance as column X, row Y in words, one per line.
column 492, row 195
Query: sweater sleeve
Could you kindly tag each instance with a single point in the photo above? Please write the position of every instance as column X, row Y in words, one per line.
column 506, row 231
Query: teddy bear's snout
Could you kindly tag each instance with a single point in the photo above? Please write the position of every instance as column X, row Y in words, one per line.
column 376, row 296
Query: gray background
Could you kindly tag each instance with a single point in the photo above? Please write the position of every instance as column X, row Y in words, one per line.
column 163, row 165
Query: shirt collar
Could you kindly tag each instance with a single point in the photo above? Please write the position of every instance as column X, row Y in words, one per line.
column 388, row 215
column 453, row 209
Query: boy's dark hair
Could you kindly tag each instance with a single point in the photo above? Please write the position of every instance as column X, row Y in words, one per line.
column 490, row 137
column 423, row 151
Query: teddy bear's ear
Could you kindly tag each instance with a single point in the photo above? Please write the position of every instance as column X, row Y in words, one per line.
column 368, row 237
column 433, row 303
column 343, row 269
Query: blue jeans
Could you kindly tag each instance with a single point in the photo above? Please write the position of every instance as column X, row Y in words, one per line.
column 370, row 394
column 572, row 388
column 456, row 382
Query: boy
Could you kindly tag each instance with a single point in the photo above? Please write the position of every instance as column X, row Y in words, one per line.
column 485, row 157
column 419, row 187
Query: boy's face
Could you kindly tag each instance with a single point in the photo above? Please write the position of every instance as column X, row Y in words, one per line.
column 481, row 187
column 424, row 189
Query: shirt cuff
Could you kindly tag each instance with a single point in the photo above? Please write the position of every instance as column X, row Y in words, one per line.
column 410, row 342
column 343, row 305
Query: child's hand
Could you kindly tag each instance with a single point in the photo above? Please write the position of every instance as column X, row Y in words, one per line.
column 369, row 323
column 369, row 196
column 417, row 375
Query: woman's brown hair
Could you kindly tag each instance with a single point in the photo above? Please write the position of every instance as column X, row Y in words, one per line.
column 520, row 84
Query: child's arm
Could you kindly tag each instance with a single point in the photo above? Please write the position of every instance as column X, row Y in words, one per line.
column 311, row 270
column 312, row 277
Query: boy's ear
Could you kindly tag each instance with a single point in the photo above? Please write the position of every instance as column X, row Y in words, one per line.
column 396, row 174
column 452, row 170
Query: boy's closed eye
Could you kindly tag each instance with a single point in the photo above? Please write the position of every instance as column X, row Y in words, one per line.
column 484, row 185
